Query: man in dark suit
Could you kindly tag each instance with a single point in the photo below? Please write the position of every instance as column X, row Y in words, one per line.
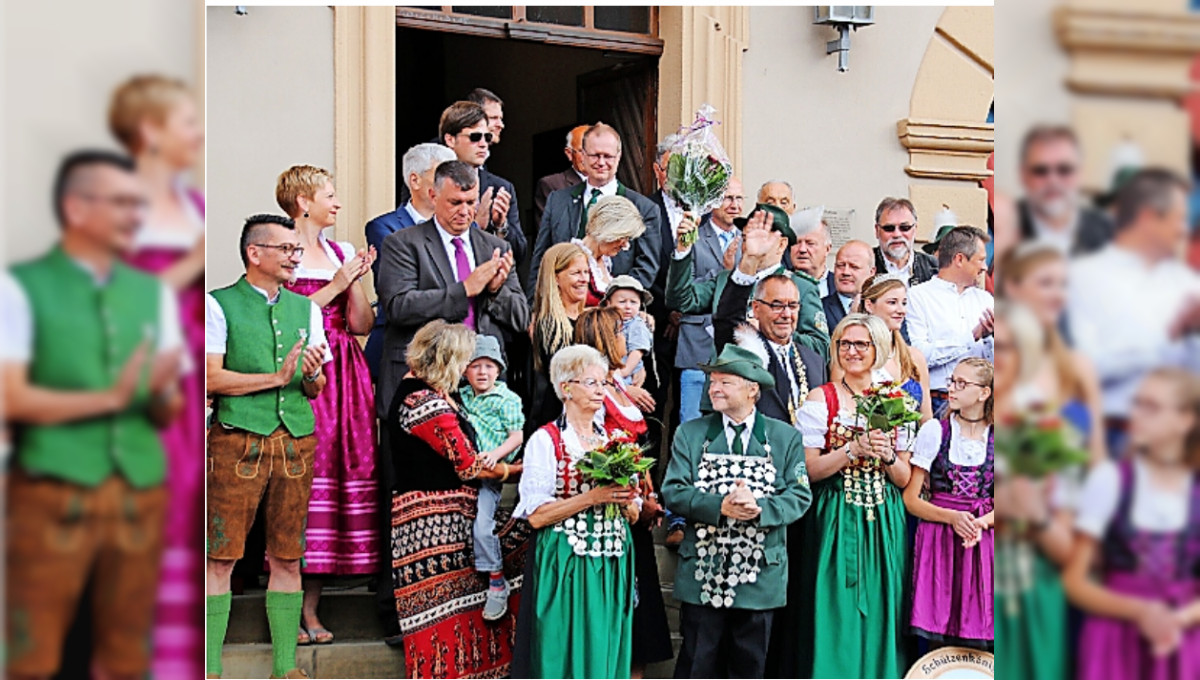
column 566, row 211
column 419, row 165
column 443, row 269
column 464, row 128
column 1052, row 210
column 852, row 267
column 776, row 306
column 574, row 174
column 896, row 231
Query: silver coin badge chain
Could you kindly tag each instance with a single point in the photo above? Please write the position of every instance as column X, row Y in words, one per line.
column 588, row 532
column 731, row 553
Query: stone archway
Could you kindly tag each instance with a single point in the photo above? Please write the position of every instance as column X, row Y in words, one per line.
column 946, row 133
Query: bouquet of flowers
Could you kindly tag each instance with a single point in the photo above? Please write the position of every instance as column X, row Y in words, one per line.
column 887, row 406
column 618, row 462
column 698, row 171
column 1037, row 442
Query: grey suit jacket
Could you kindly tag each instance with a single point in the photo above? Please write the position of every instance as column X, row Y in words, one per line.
column 548, row 185
column 417, row 285
column 560, row 224
column 695, row 344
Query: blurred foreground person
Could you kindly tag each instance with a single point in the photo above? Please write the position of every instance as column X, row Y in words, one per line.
column 156, row 120
column 1133, row 568
column 93, row 376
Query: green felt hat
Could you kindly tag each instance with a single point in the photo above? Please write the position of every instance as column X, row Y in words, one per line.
column 736, row 360
column 941, row 233
column 780, row 223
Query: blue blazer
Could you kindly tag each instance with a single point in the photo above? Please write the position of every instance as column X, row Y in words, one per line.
column 378, row 229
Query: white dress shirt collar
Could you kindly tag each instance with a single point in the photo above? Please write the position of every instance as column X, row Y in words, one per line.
column 412, row 212
column 609, row 189
column 729, row 423
column 448, row 243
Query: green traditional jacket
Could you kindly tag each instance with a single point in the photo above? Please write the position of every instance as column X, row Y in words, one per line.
column 83, row 334
column 792, row 497
column 689, row 296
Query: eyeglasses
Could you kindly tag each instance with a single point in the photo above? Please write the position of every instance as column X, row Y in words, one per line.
column 605, row 157
column 122, row 201
column 476, row 136
column 860, row 346
column 960, row 384
column 733, row 199
column 1061, row 169
column 591, row 383
column 891, row 228
column 778, row 307
column 288, row 249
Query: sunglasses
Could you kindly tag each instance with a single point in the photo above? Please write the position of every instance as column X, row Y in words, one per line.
column 1062, row 170
column 476, row 136
column 891, row 228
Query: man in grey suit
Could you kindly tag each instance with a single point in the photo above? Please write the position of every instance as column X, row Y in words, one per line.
column 573, row 175
column 443, row 269
column 566, row 210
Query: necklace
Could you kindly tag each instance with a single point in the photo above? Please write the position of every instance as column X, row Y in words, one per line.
column 965, row 419
column 849, row 389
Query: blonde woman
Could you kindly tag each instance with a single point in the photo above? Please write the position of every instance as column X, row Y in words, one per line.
column 155, row 118
column 558, row 299
column 612, row 223
column 433, row 512
column 854, row 571
column 342, row 535
column 887, row 298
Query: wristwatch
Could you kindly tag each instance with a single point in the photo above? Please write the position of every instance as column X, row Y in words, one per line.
column 850, row 455
column 315, row 376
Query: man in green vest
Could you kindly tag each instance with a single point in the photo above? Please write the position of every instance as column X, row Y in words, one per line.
column 686, row 295
column 739, row 478
column 91, row 363
column 264, row 349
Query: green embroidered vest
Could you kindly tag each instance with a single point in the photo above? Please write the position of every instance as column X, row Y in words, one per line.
column 82, row 336
column 258, row 338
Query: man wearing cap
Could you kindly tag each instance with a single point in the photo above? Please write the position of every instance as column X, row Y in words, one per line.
column 740, row 479
column 689, row 296
column 264, row 349
column 776, row 304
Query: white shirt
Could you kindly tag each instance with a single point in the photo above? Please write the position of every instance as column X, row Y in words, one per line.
column 823, row 284
column 1120, row 310
column 17, row 319
column 448, row 243
column 846, row 302
column 783, row 355
column 1060, row 239
column 1151, row 508
column 901, row 272
column 674, row 212
column 417, row 217
column 963, row 451
column 941, row 323
column 216, row 332
column 303, row 272
column 609, row 189
column 541, row 469
column 742, row 279
column 725, row 236
column 745, row 437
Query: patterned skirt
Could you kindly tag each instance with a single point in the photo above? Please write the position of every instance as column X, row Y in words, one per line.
column 440, row 596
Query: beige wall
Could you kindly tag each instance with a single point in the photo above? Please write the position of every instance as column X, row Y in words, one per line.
column 270, row 105
column 59, row 73
column 831, row 134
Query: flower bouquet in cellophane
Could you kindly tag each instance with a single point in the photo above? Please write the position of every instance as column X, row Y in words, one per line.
column 620, row 461
column 698, row 170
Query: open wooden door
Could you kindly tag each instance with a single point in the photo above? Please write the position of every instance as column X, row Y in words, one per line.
column 625, row 96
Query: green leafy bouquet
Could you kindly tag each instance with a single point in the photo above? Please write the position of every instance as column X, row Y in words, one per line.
column 1036, row 443
column 698, row 171
column 618, row 462
column 887, row 406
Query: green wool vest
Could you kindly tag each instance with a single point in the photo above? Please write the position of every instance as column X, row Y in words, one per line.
column 82, row 336
column 258, row 338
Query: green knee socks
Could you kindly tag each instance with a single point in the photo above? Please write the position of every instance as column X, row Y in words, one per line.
column 218, row 622
column 283, row 617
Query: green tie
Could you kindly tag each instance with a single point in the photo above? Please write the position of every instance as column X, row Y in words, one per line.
column 583, row 219
column 738, row 449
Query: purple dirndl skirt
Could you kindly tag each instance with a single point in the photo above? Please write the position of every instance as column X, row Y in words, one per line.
column 1111, row 649
column 952, row 585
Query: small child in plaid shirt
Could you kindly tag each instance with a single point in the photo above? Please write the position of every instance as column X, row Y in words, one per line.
column 631, row 298
column 496, row 414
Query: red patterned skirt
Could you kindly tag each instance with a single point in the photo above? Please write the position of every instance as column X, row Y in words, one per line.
column 440, row 596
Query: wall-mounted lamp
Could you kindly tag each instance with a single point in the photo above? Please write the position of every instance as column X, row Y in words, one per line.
column 843, row 18
column 240, row 10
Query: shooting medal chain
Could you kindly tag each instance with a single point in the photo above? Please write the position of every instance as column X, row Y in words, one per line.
column 863, row 478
